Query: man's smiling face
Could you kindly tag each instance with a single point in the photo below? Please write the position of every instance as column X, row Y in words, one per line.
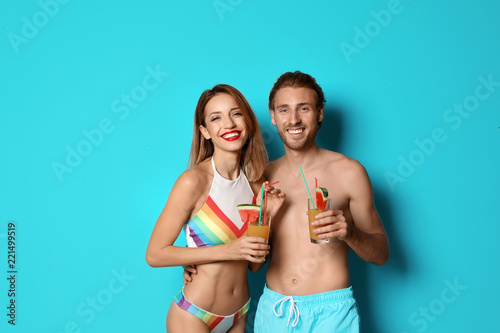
column 296, row 117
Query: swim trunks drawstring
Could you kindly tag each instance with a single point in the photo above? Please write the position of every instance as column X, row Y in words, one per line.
column 294, row 310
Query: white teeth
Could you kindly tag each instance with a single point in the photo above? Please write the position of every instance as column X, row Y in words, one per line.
column 295, row 131
column 230, row 135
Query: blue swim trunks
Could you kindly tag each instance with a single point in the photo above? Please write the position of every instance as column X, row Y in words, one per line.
column 333, row 311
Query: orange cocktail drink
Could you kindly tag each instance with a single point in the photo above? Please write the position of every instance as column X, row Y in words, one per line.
column 311, row 213
column 250, row 215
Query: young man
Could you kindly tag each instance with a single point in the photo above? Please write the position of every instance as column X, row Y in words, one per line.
column 308, row 285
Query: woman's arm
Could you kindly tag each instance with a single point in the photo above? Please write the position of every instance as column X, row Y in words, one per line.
column 255, row 266
column 161, row 252
column 275, row 199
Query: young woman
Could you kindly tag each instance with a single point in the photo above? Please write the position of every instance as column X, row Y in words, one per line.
column 227, row 161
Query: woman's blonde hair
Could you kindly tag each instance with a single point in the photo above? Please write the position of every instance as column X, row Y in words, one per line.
column 253, row 156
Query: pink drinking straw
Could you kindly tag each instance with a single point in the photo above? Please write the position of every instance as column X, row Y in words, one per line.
column 316, row 183
column 265, row 206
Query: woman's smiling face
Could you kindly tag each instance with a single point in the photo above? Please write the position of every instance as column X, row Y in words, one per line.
column 225, row 123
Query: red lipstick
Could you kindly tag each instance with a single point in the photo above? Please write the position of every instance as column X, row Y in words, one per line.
column 236, row 135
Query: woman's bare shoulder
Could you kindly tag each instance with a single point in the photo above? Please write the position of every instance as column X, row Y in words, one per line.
column 196, row 176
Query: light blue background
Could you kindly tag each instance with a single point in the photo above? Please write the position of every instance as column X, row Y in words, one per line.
column 77, row 232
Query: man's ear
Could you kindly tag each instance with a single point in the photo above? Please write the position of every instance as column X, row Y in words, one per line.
column 273, row 121
column 205, row 133
column 320, row 113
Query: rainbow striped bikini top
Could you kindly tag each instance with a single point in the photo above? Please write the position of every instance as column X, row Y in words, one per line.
column 218, row 221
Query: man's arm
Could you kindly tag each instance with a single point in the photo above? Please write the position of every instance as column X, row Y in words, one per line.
column 365, row 234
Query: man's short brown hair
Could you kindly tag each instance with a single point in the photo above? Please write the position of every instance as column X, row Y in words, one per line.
column 297, row 80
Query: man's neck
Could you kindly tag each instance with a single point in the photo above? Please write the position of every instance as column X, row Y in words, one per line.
column 304, row 157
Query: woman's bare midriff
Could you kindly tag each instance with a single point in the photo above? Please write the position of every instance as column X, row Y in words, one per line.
column 220, row 287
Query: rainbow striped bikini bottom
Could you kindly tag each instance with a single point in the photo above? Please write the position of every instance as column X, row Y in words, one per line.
column 216, row 323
